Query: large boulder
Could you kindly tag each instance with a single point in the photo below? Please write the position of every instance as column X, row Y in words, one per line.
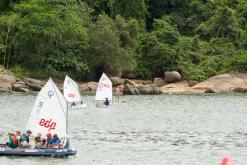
column 172, row 77
column 16, row 87
column 8, row 78
column 130, row 82
column 116, row 81
column 147, row 82
column 129, row 90
column 230, row 82
column 158, row 82
column 119, row 88
column 147, row 89
column 20, row 88
column 92, row 86
column 20, row 82
column 143, row 82
column 5, row 86
column 180, row 88
column 240, row 90
column 24, row 90
column 34, row 87
column 83, row 87
column 33, row 81
column 34, row 84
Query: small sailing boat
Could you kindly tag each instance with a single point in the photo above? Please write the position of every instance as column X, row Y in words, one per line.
column 72, row 94
column 49, row 115
column 104, row 90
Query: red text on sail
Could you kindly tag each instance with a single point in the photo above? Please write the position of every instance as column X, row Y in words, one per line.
column 48, row 124
column 72, row 95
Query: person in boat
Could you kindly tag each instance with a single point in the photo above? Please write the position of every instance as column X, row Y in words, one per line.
column 49, row 140
column 56, row 142
column 18, row 137
column 13, row 143
column 106, row 102
column 43, row 143
column 73, row 104
column 24, row 139
column 37, row 140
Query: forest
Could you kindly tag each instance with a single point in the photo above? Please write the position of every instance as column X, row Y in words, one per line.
column 142, row 38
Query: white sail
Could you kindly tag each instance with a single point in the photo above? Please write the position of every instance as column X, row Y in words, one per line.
column 49, row 112
column 71, row 90
column 104, row 89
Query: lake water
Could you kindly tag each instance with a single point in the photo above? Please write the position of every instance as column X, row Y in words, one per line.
column 163, row 129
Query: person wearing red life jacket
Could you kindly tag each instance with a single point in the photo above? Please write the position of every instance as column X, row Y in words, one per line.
column 13, row 142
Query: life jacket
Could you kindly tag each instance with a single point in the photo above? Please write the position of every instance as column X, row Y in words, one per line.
column 14, row 139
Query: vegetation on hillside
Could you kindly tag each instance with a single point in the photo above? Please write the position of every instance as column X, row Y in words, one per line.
column 198, row 38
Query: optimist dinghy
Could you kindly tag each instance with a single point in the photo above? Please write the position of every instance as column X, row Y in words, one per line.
column 49, row 115
column 104, row 90
column 72, row 94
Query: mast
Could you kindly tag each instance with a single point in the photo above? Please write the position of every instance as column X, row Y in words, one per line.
column 67, row 115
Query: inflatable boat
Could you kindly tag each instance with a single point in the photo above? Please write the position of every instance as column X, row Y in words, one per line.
column 53, row 152
column 49, row 115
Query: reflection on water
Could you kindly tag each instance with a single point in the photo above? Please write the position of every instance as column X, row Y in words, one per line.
column 165, row 129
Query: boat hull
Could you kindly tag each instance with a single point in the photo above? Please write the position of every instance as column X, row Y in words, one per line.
column 78, row 106
column 53, row 152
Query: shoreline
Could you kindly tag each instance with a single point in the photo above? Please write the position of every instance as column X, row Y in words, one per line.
column 223, row 83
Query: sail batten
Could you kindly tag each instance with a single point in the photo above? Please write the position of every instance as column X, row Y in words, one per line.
column 104, row 89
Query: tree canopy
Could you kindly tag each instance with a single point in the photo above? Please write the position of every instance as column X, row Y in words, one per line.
column 198, row 38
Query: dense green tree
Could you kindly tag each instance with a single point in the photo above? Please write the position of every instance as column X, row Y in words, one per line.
column 129, row 8
column 49, row 33
column 7, row 24
column 223, row 24
column 109, row 50
column 198, row 38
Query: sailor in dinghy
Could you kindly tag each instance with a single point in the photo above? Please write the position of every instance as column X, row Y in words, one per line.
column 104, row 91
column 49, row 115
column 72, row 94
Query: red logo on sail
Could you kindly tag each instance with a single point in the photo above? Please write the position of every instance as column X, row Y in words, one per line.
column 48, row 124
column 72, row 95
column 103, row 85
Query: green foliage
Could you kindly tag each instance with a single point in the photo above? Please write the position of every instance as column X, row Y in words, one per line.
column 129, row 8
column 20, row 71
column 111, row 44
column 198, row 38
column 239, row 63
column 158, row 53
column 222, row 25
column 49, row 33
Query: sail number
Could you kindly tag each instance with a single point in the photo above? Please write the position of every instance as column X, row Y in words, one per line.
column 48, row 124
column 71, row 95
column 40, row 104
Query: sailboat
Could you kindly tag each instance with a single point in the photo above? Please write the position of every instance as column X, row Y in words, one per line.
column 72, row 94
column 49, row 115
column 104, row 89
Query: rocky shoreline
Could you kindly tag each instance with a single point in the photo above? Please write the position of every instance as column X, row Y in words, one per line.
column 170, row 84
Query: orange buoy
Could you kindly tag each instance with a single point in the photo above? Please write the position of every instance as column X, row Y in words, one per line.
column 227, row 161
